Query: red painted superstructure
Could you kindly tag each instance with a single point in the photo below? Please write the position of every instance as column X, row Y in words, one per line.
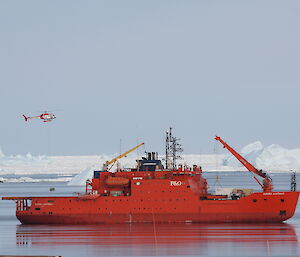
column 151, row 193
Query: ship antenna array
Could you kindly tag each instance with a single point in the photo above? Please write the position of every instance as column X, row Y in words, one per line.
column 173, row 148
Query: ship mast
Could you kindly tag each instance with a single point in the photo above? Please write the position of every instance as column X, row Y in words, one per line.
column 173, row 148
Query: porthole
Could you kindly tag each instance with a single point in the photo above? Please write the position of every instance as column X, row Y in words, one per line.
column 282, row 212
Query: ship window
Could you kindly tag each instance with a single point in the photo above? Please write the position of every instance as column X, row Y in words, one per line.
column 37, row 209
column 265, row 199
column 254, row 200
column 50, row 212
column 188, row 186
column 282, row 212
column 282, row 200
column 50, row 201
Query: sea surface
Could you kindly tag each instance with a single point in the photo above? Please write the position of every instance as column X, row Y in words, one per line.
column 147, row 239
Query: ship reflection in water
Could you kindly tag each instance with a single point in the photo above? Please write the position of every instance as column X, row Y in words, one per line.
column 161, row 239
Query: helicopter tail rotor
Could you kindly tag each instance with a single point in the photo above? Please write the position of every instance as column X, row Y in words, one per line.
column 26, row 118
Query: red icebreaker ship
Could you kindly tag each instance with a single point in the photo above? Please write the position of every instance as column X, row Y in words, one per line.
column 153, row 192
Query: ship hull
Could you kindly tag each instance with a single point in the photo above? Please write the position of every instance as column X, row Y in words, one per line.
column 274, row 207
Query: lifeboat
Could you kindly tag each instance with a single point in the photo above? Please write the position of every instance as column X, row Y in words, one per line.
column 117, row 181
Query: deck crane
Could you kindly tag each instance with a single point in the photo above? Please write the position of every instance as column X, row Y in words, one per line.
column 112, row 162
column 267, row 181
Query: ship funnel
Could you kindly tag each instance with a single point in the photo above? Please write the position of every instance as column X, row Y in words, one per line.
column 153, row 156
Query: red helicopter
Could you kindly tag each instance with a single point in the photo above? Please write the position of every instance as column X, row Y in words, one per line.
column 46, row 117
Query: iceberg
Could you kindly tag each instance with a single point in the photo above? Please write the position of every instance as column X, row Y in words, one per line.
column 249, row 152
column 273, row 157
column 19, row 159
column 82, row 177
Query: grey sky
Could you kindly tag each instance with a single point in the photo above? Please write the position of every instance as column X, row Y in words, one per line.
column 130, row 69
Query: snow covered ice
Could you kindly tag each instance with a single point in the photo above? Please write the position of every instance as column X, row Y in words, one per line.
column 270, row 158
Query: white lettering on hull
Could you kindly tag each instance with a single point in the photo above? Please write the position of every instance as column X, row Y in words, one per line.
column 175, row 183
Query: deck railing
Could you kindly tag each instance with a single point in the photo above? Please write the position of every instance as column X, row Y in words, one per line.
column 23, row 204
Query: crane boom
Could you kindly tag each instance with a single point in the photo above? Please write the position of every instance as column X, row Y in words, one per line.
column 120, row 156
column 267, row 186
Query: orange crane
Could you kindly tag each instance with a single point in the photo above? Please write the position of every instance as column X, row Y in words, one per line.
column 267, row 182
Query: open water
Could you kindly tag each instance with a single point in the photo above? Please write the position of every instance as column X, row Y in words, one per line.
column 147, row 239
